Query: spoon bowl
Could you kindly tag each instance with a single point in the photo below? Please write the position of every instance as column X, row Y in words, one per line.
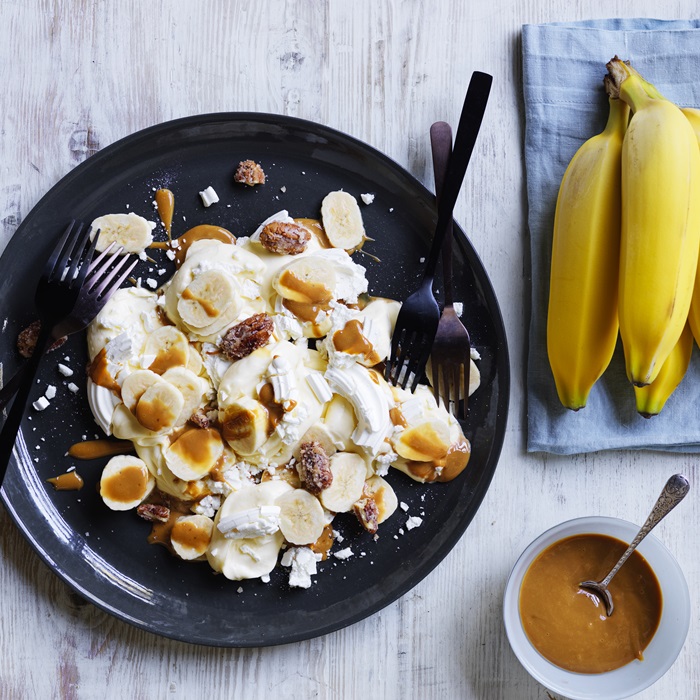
column 675, row 490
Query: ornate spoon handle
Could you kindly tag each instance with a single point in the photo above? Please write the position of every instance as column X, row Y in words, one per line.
column 673, row 493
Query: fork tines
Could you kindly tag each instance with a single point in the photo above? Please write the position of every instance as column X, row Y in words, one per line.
column 450, row 382
column 410, row 350
column 101, row 282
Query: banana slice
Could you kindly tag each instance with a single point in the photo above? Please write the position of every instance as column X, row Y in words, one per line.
column 305, row 281
column 380, row 491
column 301, row 517
column 129, row 230
column 248, row 557
column 194, row 361
column 349, row 473
column 318, row 433
column 169, row 348
column 125, row 482
column 340, row 421
column 206, row 298
column 244, row 425
column 194, row 453
column 159, row 407
column 190, row 386
column 191, row 535
column 342, row 221
column 425, row 442
column 135, row 385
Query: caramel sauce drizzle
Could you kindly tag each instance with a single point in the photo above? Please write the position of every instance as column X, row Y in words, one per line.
column 165, row 201
column 275, row 411
column 209, row 309
column 98, row 372
column 70, row 481
column 126, row 486
column 94, row 449
column 351, row 340
column 188, row 534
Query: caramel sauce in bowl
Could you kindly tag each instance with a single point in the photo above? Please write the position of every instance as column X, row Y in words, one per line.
column 662, row 647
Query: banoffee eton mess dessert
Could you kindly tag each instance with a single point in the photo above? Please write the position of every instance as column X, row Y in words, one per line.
column 250, row 387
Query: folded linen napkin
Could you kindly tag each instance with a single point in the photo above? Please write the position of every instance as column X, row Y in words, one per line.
column 565, row 104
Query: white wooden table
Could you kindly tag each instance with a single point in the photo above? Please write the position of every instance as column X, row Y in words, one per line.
column 76, row 75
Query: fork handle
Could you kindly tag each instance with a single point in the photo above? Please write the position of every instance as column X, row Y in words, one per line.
column 467, row 131
column 14, row 420
column 9, row 388
column 441, row 146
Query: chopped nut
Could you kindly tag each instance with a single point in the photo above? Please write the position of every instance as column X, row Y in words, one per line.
column 285, row 239
column 200, row 419
column 27, row 340
column 314, row 467
column 249, row 173
column 368, row 514
column 153, row 512
column 245, row 337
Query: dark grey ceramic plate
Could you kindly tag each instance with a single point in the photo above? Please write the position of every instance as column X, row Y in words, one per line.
column 103, row 555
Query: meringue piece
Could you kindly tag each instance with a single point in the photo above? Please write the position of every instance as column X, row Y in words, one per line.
column 319, row 386
column 254, row 522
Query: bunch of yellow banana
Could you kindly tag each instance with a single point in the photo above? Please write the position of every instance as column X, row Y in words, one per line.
column 625, row 248
column 582, row 317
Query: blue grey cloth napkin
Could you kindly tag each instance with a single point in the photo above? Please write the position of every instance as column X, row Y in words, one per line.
column 565, row 104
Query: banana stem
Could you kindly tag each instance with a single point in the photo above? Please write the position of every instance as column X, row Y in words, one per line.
column 630, row 85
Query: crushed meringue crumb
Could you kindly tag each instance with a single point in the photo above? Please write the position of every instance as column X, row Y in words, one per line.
column 343, row 553
column 73, row 387
column 209, row 196
column 39, row 405
column 413, row 521
column 367, row 198
column 65, row 371
column 50, row 392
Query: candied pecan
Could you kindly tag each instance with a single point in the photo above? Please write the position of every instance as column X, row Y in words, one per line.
column 27, row 339
column 200, row 419
column 368, row 514
column 240, row 340
column 285, row 239
column 249, row 173
column 314, row 467
column 153, row 512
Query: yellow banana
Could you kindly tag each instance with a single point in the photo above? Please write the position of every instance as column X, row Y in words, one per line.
column 651, row 398
column 582, row 317
column 660, row 226
column 693, row 116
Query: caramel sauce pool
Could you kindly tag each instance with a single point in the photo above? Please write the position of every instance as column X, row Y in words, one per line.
column 568, row 626
column 165, row 202
column 160, row 532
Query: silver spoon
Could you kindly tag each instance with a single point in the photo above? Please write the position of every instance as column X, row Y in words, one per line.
column 673, row 493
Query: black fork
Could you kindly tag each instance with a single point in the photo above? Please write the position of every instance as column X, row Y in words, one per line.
column 418, row 319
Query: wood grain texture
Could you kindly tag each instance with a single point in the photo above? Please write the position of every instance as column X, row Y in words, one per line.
column 79, row 74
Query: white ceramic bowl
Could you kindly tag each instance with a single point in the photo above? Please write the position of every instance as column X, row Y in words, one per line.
column 659, row 654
